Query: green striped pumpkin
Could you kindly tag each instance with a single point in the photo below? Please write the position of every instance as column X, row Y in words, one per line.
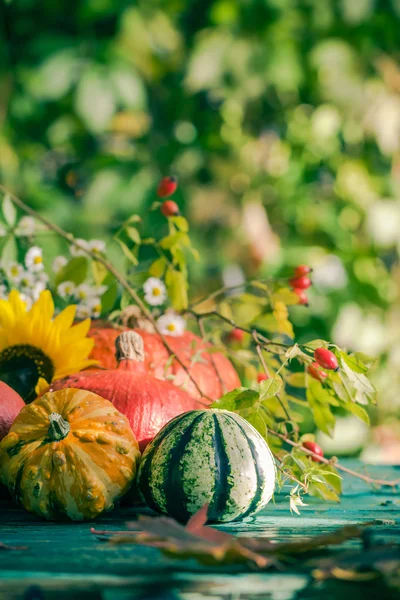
column 212, row 456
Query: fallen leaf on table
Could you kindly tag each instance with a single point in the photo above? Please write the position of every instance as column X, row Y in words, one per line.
column 210, row 546
column 5, row 547
column 365, row 565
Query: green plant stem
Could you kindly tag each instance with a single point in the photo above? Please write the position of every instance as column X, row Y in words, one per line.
column 110, row 268
column 335, row 463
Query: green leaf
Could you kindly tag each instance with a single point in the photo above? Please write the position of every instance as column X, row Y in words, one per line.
column 285, row 295
column 238, row 399
column 158, row 267
column 128, row 253
column 177, row 289
column 354, row 362
column 9, row 211
column 270, row 387
column 133, row 234
column 319, row 401
column 99, row 272
column 174, row 239
column 134, row 219
column 359, row 411
column 109, row 297
column 181, row 223
column 258, row 423
column 314, row 344
column 75, row 270
column 296, row 380
column 9, row 251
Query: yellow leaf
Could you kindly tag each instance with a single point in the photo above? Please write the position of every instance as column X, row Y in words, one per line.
column 177, row 289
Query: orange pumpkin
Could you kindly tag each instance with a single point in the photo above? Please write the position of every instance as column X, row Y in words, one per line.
column 213, row 372
column 147, row 402
column 11, row 404
column 69, row 454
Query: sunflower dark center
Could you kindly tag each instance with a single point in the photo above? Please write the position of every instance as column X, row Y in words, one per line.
column 21, row 366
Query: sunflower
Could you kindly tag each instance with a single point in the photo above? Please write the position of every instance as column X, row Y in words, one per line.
column 34, row 345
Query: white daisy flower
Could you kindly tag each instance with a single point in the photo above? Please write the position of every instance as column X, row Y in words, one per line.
column 58, row 263
column 83, row 292
column 171, row 324
column 83, row 311
column 66, row 289
column 155, row 291
column 26, row 280
column 3, row 231
column 99, row 290
column 34, row 259
column 14, row 271
column 75, row 251
column 43, row 277
column 25, row 227
column 38, row 288
column 97, row 246
column 95, row 307
column 3, row 292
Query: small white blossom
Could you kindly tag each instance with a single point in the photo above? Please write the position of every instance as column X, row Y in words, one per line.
column 97, row 246
column 38, row 288
column 3, row 292
column 3, row 231
column 58, row 263
column 83, row 311
column 75, row 251
column 155, row 291
column 14, row 271
column 25, row 227
column 34, row 259
column 26, row 280
column 99, row 290
column 171, row 324
column 84, row 292
column 66, row 289
column 43, row 277
column 94, row 305
column 294, row 502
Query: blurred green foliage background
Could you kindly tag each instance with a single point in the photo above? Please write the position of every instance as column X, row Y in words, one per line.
column 281, row 119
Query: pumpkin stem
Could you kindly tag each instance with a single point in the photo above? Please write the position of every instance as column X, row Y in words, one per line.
column 129, row 346
column 59, row 427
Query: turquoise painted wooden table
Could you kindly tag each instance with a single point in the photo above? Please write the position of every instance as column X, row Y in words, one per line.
column 67, row 561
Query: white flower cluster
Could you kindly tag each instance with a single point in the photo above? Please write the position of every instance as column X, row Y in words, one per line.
column 155, row 294
column 87, row 297
column 28, row 278
column 24, row 228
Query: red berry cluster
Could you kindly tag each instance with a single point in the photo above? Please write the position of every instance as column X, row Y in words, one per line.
column 167, row 187
column 300, row 282
column 323, row 358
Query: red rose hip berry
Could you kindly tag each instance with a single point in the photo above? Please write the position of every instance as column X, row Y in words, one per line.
column 326, row 359
column 236, row 335
column 262, row 377
column 316, row 372
column 167, row 187
column 302, row 296
column 313, row 447
column 302, row 270
column 300, row 283
column 169, row 208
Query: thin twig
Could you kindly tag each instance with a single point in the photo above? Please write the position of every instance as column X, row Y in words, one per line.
column 287, row 474
column 203, row 335
column 336, row 464
column 110, row 268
